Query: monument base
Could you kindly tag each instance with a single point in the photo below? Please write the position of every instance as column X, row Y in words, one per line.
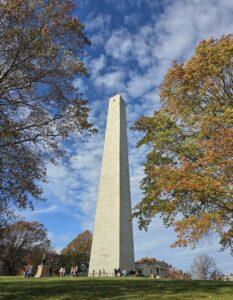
column 42, row 271
column 101, row 275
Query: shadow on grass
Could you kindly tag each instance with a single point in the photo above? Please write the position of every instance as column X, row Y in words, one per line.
column 87, row 288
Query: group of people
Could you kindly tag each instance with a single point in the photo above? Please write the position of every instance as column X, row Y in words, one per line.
column 125, row 272
column 117, row 272
column 73, row 271
column 62, row 272
column 27, row 272
column 120, row 273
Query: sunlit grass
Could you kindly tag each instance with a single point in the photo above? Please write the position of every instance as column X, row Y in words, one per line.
column 14, row 288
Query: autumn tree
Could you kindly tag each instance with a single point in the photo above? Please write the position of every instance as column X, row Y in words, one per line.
column 20, row 241
column 189, row 166
column 53, row 260
column 78, row 251
column 35, row 255
column 144, row 260
column 42, row 46
column 203, row 267
column 175, row 273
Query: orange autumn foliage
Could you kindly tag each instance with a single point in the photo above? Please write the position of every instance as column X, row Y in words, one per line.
column 189, row 167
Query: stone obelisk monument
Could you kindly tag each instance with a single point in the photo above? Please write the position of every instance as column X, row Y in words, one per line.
column 112, row 245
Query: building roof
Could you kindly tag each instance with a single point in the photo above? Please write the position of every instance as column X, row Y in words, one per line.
column 153, row 263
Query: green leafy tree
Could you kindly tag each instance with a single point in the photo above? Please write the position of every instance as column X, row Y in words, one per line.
column 42, row 46
column 189, row 166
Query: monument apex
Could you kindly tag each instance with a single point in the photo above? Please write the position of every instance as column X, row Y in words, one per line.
column 112, row 245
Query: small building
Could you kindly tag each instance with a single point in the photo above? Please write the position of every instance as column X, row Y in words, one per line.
column 158, row 269
column 228, row 277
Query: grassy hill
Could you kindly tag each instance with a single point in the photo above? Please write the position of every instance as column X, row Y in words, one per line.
column 17, row 288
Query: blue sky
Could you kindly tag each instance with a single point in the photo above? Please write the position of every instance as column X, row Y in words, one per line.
column 133, row 45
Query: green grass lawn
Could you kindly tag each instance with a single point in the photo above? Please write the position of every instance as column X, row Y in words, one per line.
column 16, row 288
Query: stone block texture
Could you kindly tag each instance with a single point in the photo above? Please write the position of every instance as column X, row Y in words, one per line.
column 112, row 245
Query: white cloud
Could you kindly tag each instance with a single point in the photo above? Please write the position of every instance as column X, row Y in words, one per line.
column 44, row 210
column 132, row 19
column 64, row 183
column 139, row 86
column 98, row 28
column 173, row 35
column 97, row 64
column 120, row 45
column 125, row 46
column 113, row 81
column 185, row 23
column 97, row 23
